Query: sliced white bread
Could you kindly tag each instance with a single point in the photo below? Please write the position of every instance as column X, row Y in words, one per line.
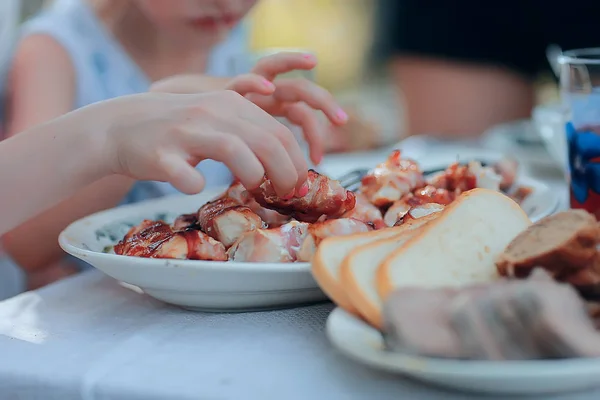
column 459, row 247
column 327, row 261
column 357, row 273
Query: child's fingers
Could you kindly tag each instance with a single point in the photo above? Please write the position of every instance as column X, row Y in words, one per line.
column 250, row 151
column 251, row 83
column 301, row 90
column 282, row 161
column 271, row 66
column 229, row 149
column 302, row 115
column 181, row 174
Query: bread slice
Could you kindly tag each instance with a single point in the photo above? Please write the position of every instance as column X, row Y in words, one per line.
column 564, row 240
column 357, row 273
column 459, row 247
column 328, row 258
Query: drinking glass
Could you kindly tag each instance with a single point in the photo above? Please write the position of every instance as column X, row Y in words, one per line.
column 580, row 95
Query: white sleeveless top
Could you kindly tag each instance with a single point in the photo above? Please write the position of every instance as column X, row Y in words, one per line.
column 104, row 70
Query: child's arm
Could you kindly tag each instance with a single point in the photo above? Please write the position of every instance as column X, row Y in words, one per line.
column 145, row 137
column 42, row 87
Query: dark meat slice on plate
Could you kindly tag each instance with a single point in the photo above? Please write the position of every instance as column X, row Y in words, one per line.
column 566, row 239
column 272, row 245
column 507, row 320
column 558, row 319
column 157, row 239
column 321, row 230
column 226, row 220
column 392, row 180
column 366, row 212
column 325, row 197
column 416, row 322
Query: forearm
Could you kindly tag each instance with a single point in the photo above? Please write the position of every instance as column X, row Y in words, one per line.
column 43, row 230
column 47, row 164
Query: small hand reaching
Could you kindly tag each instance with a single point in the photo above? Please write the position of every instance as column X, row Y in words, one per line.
column 182, row 130
column 293, row 98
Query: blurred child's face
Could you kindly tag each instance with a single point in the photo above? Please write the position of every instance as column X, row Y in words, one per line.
column 207, row 20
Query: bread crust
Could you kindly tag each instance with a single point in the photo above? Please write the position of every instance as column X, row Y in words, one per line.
column 575, row 248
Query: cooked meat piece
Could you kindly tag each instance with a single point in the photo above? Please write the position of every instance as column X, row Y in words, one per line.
column 474, row 331
column 140, row 227
column 325, row 197
column 456, row 179
column 420, row 212
column 420, row 197
column 366, row 212
column 508, row 327
column 558, row 320
column 520, row 193
column 586, row 280
column 156, row 239
column 507, row 168
column 226, row 220
column 416, row 322
column 461, row 178
column 185, row 221
column 568, row 238
column 239, row 193
column 391, row 180
column 593, row 309
column 506, row 320
column 322, row 230
column 273, row 245
column 395, row 214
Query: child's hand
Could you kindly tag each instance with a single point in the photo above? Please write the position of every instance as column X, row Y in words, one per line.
column 292, row 98
column 163, row 136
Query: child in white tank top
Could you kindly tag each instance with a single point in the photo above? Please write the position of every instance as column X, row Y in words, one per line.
column 82, row 51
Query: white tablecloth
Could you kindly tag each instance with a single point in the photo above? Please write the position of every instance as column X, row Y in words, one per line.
column 90, row 338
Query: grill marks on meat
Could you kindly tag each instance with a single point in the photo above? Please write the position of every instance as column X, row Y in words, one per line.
column 226, row 220
column 507, row 320
column 156, row 239
column 391, row 180
column 325, row 197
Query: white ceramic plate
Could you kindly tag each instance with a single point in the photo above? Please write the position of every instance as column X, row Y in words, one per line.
column 364, row 344
column 197, row 285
